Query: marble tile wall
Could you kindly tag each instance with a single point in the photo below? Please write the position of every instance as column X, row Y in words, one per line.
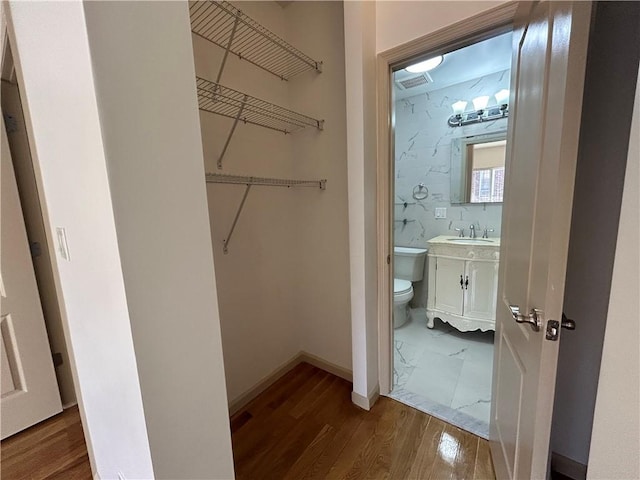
column 423, row 150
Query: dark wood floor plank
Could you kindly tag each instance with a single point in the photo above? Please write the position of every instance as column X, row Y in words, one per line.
column 427, row 450
column 367, row 448
column 388, row 441
column 464, row 464
column 352, row 450
column 52, row 449
column 270, row 420
column 483, row 465
column 306, row 460
column 303, row 427
column 404, row 456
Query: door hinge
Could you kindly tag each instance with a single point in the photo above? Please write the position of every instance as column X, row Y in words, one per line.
column 36, row 249
column 57, row 359
column 10, row 123
column 388, row 259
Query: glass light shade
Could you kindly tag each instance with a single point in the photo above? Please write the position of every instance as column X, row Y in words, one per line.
column 480, row 103
column 458, row 107
column 502, row 96
column 425, row 66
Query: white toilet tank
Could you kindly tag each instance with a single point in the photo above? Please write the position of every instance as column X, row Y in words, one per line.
column 408, row 263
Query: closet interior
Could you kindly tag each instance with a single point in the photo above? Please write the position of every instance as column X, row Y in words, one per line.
column 288, row 253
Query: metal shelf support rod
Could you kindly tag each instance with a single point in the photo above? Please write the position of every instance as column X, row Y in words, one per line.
column 226, row 241
column 226, row 51
column 233, row 129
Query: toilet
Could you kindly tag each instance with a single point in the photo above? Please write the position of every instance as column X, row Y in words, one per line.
column 408, row 267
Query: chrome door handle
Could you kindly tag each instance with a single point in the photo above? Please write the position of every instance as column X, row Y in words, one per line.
column 567, row 323
column 534, row 319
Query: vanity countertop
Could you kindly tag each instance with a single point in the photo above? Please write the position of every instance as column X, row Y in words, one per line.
column 466, row 241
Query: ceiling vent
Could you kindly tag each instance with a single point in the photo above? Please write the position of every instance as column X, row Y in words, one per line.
column 414, row 81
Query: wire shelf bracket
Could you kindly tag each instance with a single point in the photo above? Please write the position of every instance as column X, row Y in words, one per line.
column 224, row 25
column 230, row 103
column 249, row 182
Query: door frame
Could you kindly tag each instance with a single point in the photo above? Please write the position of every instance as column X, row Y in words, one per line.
column 466, row 32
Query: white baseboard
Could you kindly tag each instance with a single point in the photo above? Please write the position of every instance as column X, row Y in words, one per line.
column 240, row 402
column 322, row 364
column 366, row 402
column 568, row 467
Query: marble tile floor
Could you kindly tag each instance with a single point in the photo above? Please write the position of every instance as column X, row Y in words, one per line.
column 444, row 372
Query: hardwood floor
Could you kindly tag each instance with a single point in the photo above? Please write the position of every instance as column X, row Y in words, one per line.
column 53, row 449
column 302, row 427
column 305, row 427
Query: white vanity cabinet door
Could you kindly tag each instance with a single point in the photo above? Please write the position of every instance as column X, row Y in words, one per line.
column 449, row 296
column 480, row 295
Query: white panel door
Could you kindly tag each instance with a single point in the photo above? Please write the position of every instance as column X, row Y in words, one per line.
column 550, row 44
column 481, row 292
column 449, row 285
column 28, row 382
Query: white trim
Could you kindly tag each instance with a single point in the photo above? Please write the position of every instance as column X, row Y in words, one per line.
column 366, row 402
column 322, row 364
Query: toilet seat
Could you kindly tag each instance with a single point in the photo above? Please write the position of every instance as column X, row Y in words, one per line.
column 402, row 290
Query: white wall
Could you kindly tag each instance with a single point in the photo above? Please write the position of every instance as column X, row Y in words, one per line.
column 144, row 76
column 321, row 290
column 399, row 21
column 50, row 47
column 615, row 440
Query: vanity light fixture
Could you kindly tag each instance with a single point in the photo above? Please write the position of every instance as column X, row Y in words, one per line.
column 458, row 107
column 481, row 112
column 425, row 65
column 480, row 103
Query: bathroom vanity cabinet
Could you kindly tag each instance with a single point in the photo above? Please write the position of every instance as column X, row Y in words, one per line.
column 463, row 282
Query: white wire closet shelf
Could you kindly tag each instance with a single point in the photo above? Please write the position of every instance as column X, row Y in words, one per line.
column 230, row 103
column 227, row 27
column 264, row 181
column 249, row 182
column 225, row 101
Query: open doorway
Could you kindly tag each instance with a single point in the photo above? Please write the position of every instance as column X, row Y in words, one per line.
column 451, row 113
column 34, row 349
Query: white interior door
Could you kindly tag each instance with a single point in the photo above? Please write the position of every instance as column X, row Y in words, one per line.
column 550, row 44
column 28, row 382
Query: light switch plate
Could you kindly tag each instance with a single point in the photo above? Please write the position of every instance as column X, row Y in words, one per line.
column 441, row 212
column 63, row 248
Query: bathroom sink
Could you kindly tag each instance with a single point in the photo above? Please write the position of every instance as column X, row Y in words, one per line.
column 471, row 240
column 465, row 241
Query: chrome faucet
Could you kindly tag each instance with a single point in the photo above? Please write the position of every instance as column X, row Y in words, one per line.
column 461, row 232
column 485, row 234
column 472, row 234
